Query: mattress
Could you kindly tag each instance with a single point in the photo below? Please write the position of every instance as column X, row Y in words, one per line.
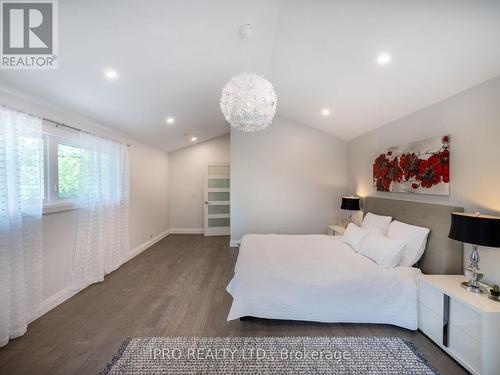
column 319, row 278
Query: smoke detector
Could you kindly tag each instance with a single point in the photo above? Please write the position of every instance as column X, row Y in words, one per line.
column 245, row 31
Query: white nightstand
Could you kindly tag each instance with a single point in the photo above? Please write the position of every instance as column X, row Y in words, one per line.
column 463, row 324
column 335, row 230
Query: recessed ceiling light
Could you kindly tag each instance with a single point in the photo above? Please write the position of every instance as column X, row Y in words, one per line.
column 194, row 139
column 111, row 74
column 384, row 58
column 169, row 120
column 325, row 112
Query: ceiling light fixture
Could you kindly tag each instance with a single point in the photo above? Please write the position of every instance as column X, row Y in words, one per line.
column 111, row 74
column 194, row 139
column 325, row 112
column 248, row 101
column 169, row 120
column 384, row 58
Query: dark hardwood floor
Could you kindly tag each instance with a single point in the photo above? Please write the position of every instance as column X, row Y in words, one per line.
column 175, row 288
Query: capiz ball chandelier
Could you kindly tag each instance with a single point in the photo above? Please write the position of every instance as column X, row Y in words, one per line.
column 248, row 102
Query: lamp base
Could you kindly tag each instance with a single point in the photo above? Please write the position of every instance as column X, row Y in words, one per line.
column 467, row 285
column 496, row 299
column 474, row 275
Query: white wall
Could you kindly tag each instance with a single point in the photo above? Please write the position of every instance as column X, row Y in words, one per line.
column 148, row 200
column 286, row 179
column 472, row 118
column 187, row 172
column 149, row 205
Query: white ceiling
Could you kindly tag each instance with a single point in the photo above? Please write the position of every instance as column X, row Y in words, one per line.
column 173, row 58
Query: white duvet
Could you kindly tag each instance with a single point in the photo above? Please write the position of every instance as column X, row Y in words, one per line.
column 319, row 278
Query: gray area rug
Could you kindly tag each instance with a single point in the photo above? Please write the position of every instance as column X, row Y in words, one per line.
column 267, row 355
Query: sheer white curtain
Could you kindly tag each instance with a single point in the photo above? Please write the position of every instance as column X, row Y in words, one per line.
column 21, row 196
column 102, row 220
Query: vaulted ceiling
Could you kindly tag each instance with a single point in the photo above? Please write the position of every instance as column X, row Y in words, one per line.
column 173, row 58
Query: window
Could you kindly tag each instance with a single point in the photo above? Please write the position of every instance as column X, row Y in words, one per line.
column 68, row 171
column 30, row 168
column 62, row 171
column 82, row 168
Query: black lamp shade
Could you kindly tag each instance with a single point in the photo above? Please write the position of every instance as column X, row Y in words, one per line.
column 481, row 230
column 350, row 203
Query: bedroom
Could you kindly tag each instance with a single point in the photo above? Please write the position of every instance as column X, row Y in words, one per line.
column 139, row 214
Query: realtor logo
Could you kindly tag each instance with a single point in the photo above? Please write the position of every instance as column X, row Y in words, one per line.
column 29, row 34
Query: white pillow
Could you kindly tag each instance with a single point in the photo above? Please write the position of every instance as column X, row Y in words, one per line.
column 354, row 236
column 382, row 250
column 376, row 222
column 416, row 238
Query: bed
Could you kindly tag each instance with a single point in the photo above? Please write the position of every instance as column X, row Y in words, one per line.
column 320, row 278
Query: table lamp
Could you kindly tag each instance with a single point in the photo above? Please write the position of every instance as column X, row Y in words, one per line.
column 477, row 230
column 351, row 204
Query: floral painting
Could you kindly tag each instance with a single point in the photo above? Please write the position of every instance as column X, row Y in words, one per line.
column 421, row 167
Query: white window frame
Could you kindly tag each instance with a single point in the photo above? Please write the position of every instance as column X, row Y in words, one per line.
column 51, row 201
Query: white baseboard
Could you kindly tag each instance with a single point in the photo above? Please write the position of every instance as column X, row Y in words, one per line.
column 234, row 243
column 186, row 230
column 61, row 296
column 53, row 301
column 139, row 249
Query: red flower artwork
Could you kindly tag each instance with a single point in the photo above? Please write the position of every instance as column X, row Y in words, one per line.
column 409, row 163
column 414, row 171
column 444, row 160
column 380, row 170
column 430, row 171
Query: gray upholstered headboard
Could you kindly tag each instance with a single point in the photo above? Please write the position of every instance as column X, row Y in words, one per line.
column 442, row 255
